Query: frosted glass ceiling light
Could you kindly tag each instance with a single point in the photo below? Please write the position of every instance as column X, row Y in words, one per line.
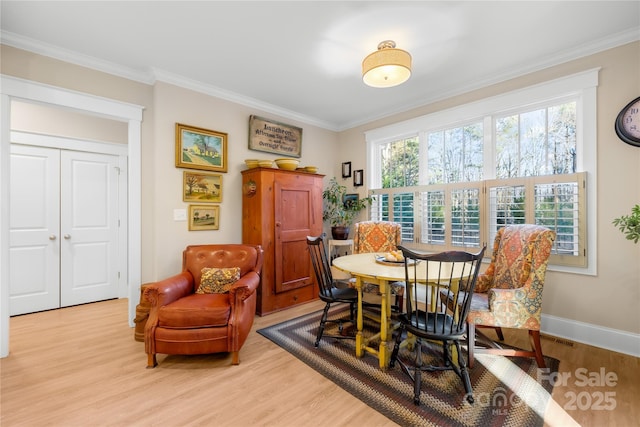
column 387, row 67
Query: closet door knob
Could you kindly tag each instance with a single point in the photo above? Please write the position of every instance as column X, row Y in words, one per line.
column 67, row 236
column 52, row 237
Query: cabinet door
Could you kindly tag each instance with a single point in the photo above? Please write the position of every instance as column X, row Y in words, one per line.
column 298, row 214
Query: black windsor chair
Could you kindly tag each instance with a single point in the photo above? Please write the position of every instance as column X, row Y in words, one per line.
column 331, row 291
column 453, row 274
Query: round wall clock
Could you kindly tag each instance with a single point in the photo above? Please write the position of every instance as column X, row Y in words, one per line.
column 628, row 123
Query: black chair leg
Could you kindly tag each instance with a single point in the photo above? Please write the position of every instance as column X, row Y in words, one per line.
column 446, row 353
column 323, row 321
column 464, row 373
column 417, row 375
column 396, row 348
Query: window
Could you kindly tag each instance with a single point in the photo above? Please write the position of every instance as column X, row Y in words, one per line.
column 454, row 182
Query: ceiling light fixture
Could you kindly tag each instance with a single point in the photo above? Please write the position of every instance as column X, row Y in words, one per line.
column 387, row 67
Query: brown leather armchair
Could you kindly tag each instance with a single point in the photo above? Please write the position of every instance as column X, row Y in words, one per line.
column 182, row 321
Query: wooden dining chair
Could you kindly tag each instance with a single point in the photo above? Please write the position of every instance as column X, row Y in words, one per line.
column 453, row 276
column 331, row 291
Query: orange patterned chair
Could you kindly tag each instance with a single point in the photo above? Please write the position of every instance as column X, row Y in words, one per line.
column 509, row 293
column 379, row 237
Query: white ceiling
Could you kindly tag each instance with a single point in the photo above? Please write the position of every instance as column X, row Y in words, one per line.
column 303, row 59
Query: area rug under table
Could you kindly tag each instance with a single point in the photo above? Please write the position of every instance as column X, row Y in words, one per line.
column 507, row 391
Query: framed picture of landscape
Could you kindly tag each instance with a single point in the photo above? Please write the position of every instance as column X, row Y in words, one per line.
column 204, row 217
column 201, row 187
column 202, row 149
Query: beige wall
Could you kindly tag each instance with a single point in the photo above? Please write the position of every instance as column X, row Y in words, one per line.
column 47, row 120
column 608, row 299
column 611, row 298
column 174, row 104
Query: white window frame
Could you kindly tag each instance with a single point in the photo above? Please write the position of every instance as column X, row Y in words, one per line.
column 581, row 86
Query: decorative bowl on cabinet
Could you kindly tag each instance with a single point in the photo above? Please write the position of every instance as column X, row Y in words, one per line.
column 251, row 163
column 287, row 164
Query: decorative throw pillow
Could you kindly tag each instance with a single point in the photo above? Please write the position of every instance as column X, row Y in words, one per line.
column 218, row 280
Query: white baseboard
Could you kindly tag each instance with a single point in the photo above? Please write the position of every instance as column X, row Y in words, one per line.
column 597, row 336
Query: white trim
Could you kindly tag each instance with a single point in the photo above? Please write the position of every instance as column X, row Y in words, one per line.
column 479, row 109
column 28, row 138
column 97, row 105
column 89, row 104
column 207, row 89
column 5, row 150
column 151, row 76
column 134, row 221
column 597, row 336
column 45, row 49
column 583, row 84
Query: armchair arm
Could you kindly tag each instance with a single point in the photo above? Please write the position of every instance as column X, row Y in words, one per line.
column 246, row 286
column 159, row 294
column 513, row 295
column 168, row 290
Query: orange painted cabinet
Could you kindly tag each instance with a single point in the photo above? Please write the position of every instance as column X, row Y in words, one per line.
column 279, row 210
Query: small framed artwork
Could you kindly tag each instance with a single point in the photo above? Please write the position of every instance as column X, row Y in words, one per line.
column 358, row 178
column 346, row 170
column 202, row 187
column 204, row 217
column 349, row 200
column 202, row 149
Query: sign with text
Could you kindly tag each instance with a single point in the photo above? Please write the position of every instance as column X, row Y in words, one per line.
column 274, row 137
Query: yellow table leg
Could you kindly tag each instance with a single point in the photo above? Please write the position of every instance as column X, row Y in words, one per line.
column 385, row 313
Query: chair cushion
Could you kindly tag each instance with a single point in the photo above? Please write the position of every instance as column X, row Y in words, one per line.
column 218, row 280
column 479, row 302
column 376, row 236
column 196, row 311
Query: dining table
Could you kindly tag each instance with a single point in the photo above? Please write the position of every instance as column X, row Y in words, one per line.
column 374, row 268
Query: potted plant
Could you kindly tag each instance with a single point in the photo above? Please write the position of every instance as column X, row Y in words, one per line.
column 630, row 224
column 339, row 211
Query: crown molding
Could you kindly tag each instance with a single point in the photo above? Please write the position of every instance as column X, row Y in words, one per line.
column 181, row 81
column 66, row 55
column 152, row 75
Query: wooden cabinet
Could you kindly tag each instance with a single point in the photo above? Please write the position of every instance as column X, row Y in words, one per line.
column 279, row 210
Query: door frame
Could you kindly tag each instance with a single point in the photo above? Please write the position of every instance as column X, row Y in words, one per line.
column 29, row 91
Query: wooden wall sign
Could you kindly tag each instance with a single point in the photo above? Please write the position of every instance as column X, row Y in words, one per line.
column 274, row 137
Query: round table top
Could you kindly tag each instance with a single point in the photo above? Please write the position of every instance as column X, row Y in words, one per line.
column 365, row 265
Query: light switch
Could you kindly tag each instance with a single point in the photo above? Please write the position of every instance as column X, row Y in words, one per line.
column 179, row 214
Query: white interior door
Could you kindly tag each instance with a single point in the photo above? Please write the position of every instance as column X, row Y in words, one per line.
column 63, row 228
column 34, row 230
column 89, row 226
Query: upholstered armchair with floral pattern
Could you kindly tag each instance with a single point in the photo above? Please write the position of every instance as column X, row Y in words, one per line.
column 379, row 237
column 509, row 293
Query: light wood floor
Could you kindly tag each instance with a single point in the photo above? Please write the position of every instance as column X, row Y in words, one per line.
column 80, row 366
